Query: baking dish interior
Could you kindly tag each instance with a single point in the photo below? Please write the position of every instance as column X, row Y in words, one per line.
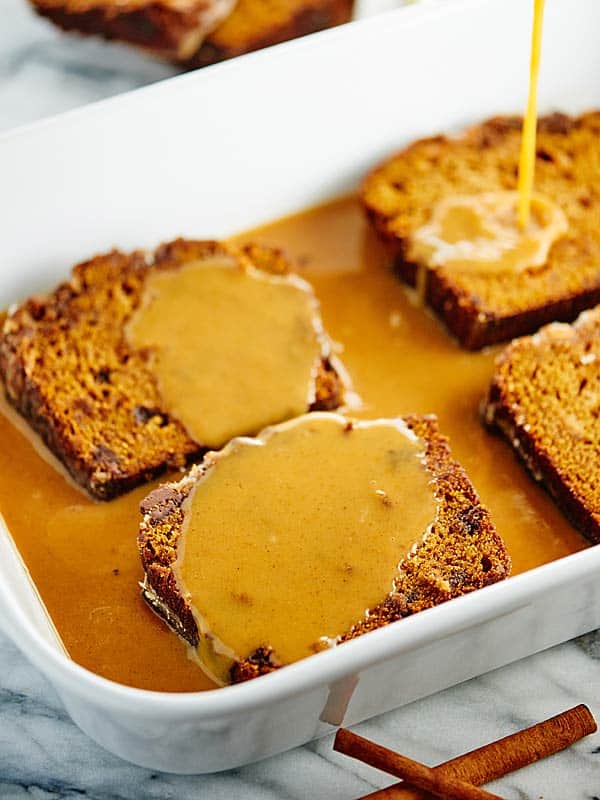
column 204, row 155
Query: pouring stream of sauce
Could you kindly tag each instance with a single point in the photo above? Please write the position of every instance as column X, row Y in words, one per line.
column 499, row 232
column 527, row 159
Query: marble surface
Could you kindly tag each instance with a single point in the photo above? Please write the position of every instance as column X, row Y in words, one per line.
column 43, row 755
column 43, row 71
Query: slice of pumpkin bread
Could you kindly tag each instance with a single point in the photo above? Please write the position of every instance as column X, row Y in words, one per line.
column 171, row 29
column 545, row 399
column 458, row 552
column 195, row 33
column 481, row 309
column 72, row 371
column 255, row 24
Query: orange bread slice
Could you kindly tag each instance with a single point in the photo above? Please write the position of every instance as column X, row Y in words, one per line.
column 70, row 371
column 196, row 32
column 172, row 29
column 482, row 309
column 545, row 399
column 461, row 552
column 255, row 24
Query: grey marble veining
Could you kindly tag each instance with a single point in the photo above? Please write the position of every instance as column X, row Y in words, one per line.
column 43, row 756
column 44, row 72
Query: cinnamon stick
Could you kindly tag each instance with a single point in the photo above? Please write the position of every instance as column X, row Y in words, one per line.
column 505, row 755
column 419, row 775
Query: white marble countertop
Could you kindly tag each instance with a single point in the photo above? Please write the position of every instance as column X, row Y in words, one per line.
column 44, row 756
column 43, row 71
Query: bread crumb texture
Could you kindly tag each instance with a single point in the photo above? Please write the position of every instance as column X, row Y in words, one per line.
column 69, row 370
column 481, row 309
column 175, row 29
column 545, row 399
column 462, row 552
column 254, row 24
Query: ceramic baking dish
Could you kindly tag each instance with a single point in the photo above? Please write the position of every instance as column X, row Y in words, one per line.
column 227, row 148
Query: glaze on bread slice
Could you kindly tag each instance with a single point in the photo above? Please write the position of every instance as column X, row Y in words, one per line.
column 545, row 400
column 483, row 309
column 196, row 33
column 460, row 552
column 69, row 369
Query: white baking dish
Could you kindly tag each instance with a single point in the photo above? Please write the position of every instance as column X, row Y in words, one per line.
column 220, row 150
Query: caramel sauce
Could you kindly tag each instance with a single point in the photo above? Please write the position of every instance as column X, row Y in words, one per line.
column 495, row 232
column 292, row 536
column 82, row 555
column 480, row 233
column 402, row 361
column 233, row 349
